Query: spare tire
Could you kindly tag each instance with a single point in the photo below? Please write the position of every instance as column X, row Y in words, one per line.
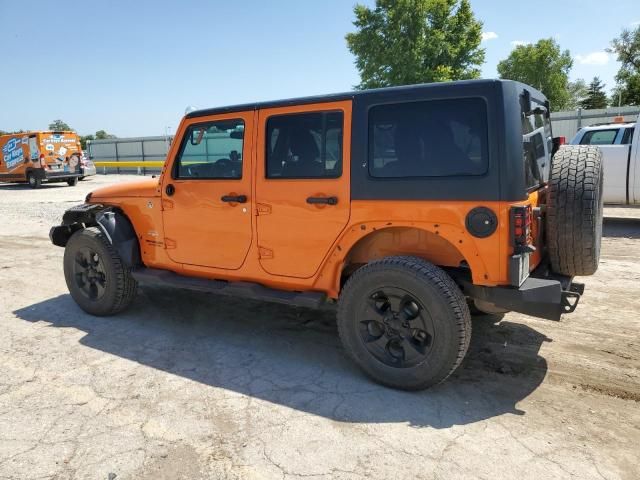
column 574, row 210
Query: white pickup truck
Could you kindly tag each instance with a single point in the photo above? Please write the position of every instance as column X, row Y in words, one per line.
column 620, row 145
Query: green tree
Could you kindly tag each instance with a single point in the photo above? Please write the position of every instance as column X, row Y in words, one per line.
column 59, row 125
column 596, row 96
column 627, row 92
column 402, row 42
column 627, row 49
column 102, row 135
column 577, row 92
column 84, row 139
column 542, row 65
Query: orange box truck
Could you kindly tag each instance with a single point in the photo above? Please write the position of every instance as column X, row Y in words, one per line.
column 37, row 157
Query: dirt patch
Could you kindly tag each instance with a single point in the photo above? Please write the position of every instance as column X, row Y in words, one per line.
column 611, row 392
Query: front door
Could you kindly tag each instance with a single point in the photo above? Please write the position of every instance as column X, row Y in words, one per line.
column 302, row 185
column 206, row 194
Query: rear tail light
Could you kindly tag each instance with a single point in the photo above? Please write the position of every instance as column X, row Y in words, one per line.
column 557, row 143
column 43, row 162
column 521, row 239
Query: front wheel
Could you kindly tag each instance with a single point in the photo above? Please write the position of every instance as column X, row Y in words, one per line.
column 405, row 322
column 98, row 280
column 73, row 181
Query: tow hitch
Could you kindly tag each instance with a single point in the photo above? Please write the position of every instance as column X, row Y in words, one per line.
column 571, row 297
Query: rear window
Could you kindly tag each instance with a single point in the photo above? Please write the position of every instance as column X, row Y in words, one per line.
column 435, row 138
column 537, row 143
column 599, row 137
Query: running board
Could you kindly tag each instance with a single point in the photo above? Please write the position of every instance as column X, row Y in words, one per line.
column 255, row 291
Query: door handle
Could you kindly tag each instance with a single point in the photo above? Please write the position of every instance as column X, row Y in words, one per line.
column 322, row 200
column 170, row 190
column 234, row 198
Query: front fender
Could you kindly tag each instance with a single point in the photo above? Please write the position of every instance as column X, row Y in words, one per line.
column 111, row 221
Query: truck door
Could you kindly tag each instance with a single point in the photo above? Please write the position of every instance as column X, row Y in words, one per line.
column 206, row 192
column 634, row 166
column 302, row 185
column 615, row 160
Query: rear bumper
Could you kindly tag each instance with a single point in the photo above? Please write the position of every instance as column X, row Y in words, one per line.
column 54, row 176
column 88, row 171
column 543, row 294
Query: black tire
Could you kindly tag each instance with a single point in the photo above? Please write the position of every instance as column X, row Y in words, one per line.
column 73, row 181
column 436, row 303
column 574, row 210
column 33, row 181
column 80, row 178
column 100, row 285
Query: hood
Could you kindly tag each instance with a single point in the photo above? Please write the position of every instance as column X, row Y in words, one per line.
column 147, row 187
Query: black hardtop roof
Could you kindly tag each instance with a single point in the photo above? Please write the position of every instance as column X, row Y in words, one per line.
column 334, row 97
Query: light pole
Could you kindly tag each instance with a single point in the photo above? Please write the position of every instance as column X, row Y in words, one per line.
column 167, row 131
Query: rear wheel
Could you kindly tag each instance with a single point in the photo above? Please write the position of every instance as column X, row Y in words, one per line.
column 97, row 279
column 34, row 182
column 574, row 210
column 404, row 322
column 73, row 181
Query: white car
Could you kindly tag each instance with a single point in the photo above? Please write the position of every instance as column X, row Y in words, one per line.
column 620, row 145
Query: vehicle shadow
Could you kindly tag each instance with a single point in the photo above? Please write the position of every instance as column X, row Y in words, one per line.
column 293, row 357
column 621, row 228
column 25, row 186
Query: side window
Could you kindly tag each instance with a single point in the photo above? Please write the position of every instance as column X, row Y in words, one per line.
column 537, row 144
column 434, row 138
column 628, row 136
column 305, row 145
column 599, row 137
column 212, row 150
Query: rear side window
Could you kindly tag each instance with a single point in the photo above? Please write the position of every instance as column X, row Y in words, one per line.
column 599, row 137
column 537, row 144
column 305, row 145
column 627, row 139
column 435, row 138
column 212, row 151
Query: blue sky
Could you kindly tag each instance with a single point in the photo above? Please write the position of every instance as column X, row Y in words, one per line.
column 131, row 67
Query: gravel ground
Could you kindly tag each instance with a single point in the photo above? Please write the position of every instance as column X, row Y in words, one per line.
column 190, row 386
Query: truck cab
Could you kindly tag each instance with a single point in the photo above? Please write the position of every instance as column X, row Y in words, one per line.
column 620, row 147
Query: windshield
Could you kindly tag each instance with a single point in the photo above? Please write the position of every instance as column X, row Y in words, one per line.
column 537, row 143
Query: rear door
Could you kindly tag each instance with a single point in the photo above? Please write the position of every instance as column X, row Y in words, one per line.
column 302, row 185
column 34, row 151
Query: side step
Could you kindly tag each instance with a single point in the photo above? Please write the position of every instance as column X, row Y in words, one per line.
column 255, row 291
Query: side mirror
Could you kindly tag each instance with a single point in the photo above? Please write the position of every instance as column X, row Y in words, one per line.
column 196, row 136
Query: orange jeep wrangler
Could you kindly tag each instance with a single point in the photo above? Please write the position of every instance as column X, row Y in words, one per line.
column 406, row 207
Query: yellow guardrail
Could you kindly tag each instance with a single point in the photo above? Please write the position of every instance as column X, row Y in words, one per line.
column 125, row 164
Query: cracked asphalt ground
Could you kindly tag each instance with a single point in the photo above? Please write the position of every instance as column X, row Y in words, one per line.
column 191, row 386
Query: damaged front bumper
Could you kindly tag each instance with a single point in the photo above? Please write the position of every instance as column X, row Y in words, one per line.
column 543, row 294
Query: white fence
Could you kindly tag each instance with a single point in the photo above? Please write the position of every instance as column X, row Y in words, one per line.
column 566, row 124
column 138, row 149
